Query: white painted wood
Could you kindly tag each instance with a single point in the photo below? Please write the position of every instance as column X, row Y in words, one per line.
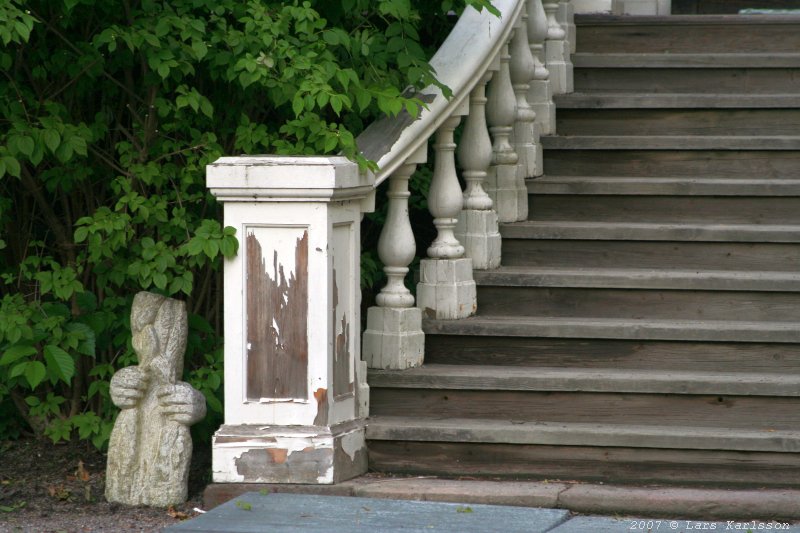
column 279, row 200
column 447, row 289
column 557, row 50
column 647, row 7
column 540, row 94
column 445, row 198
column 477, row 227
column 597, row 6
column 501, row 114
column 394, row 337
column 526, row 142
column 566, row 17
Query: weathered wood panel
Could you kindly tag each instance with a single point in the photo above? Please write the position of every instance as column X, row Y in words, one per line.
column 733, row 412
column 277, row 319
column 704, row 7
column 606, row 464
column 611, row 354
column 651, row 254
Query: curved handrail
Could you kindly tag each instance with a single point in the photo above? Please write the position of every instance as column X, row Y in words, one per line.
column 459, row 64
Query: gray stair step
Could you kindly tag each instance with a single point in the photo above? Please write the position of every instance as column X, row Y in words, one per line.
column 671, row 142
column 653, row 231
column 702, row 100
column 579, row 434
column 668, row 186
column 672, row 122
column 683, row 209
column 647, row 254
column 612, row 354
column 504, row 378
column 676, row 34
column 639, row 278
column 656, row 163
column 519, row 301
column 713, row 7
column 618, row 328
column 769, row 60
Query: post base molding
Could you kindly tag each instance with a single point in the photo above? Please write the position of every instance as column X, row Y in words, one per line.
column 393, row 338
column 293, row 454
column 477, row 230
column 561, row 77
column 446, row 289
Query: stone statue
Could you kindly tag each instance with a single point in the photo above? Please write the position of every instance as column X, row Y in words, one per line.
column 151, row 447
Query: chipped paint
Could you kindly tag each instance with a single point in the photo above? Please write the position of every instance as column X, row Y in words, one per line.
column 352, row 443
column 321, row 395
column 278, row 455
column 342, row 385
column 277, row 323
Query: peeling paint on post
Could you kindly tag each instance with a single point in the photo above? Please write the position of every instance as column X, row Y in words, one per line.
column 277, row 323
column 295, row 390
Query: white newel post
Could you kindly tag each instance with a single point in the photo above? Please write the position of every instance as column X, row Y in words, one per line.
column 501, row 114
column 540, row 94
column 477, row 225
column 295, row 390
column 526, row 140
column 556, row 49
column 394, row 338
column 446, row 289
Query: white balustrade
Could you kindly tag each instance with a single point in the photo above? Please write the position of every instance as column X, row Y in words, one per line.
column 566, row 17
column 540, row 94
column 557, row 51
column 394, row 338
column 526, row 139
column 501, row 114
column 477, row 224
column 446, row 289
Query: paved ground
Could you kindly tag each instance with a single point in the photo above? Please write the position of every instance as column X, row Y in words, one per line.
column 284, row 513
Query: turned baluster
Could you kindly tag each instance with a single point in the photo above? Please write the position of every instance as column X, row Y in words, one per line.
column 446, row 289
column 394, row 338
column 540, row 95
column 526, row 140
column 477, row 226
column 556, row 49
column 501, row 113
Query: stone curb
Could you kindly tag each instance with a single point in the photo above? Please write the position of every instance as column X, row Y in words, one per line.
column 657, row 502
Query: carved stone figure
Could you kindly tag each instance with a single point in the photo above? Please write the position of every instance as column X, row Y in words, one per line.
column 151, row 447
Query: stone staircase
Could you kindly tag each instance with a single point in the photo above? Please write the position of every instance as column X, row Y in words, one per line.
column 645, row 324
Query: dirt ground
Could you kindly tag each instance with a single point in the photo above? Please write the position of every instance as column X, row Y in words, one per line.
column 47, row 487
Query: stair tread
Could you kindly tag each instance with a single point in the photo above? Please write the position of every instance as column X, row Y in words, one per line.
column 671, row 186
column 612, row 100
column 480, row 430
column 488, row 377
column 639, row 278
column 652, row 231
column 617, row 328
column 686, row 60
column 671, row 142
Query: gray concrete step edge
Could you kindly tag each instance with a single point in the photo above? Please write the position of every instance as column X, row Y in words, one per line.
column 670, row 502
column 704, row 101
column 486, row 377
column 639, row 278
column 678, row 186
column 613, row 328
column 479, row 430
column 671, row 142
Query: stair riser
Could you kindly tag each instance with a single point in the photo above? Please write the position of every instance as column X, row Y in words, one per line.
column 612, row 354
column 730, row 164
column 688, row 80
column 688, row 38
column 674, row 209
column 743, row 412
column 770, row 122
column 606, row 464
column 626, row 303
column 651, row 254
column 707, row 7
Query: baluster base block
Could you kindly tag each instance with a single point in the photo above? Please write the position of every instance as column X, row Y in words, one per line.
column 479, row 232
column 557, row 54
column 297, row 454
column 393, row 338
column 446, row 289
column 503, row 187
column 541, row 98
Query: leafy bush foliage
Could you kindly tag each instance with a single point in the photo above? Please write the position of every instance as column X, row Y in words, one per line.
column 111, row 110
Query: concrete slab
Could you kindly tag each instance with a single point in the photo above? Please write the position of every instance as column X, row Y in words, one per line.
column 278, row 513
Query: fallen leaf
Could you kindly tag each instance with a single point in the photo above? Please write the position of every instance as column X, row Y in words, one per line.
column 180, row 515
column 81, row 473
